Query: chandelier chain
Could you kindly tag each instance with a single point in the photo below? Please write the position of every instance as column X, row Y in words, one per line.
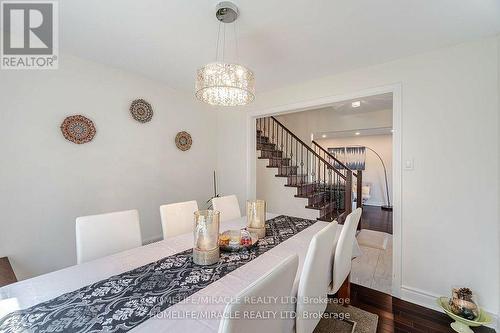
column 223, row 41
column 236, row 43
column 217, row 44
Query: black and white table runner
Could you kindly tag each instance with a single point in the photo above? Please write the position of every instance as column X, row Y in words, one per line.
column 122, row 302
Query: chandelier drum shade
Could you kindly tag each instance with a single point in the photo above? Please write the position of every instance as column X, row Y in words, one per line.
column 225, row 84
column 222, row 83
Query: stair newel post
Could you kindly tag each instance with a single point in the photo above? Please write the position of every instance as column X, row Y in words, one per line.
column 307, row 167
column 318, row 175
column 330, row 195
column 272, row 133
column 281, row 143
column 286, row 147
column 335, row 193
column 301, row 164
column 359, row 189
column 325, row 175
column 297, row 180
column 348, row 192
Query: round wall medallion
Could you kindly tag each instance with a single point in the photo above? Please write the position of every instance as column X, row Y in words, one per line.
column 78, row 129
column 183, row 141
column 141, row 110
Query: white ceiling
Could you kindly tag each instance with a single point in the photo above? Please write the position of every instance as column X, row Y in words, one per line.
column 283, row 41
column 353, row 133
column 366, row 104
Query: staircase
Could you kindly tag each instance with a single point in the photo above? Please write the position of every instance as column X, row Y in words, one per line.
column 318, row 176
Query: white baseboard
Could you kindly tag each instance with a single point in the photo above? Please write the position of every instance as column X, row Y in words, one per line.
column 373, row 203
column 428, row 300
column 153, row 239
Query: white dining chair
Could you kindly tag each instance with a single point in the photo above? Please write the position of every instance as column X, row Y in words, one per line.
column 315, row 279
column 275, row 285
column 177, row 218
column 228, row 207
column 343, row 251
column 101, row 235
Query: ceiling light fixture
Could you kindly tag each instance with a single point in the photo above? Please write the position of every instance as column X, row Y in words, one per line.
column 222, row 83
column 356, row 104
column 323, row 136
column 357, row 133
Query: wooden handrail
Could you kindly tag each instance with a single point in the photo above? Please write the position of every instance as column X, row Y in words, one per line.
column 309, row 148
column 333, row 157
column 358, row 175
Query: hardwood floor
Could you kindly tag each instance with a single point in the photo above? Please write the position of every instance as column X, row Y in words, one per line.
column 374, row 218
column 396, row 315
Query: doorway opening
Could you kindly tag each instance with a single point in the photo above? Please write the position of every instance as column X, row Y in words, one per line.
column 360, row 132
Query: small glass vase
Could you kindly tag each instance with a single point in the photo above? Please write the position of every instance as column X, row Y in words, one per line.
column 206, row 237
column 256, row 217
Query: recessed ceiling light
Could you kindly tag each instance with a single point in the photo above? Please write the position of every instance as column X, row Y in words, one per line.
column 357, row 133
column 392, row 130
column 356, row 104
column 323, row 136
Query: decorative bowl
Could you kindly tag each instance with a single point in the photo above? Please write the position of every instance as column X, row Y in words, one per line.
column 231, row 240
column 461, row 324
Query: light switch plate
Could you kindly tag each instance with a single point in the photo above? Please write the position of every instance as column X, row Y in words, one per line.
column 409, row 165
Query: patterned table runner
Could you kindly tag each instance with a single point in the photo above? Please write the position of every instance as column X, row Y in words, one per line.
column 124, row 301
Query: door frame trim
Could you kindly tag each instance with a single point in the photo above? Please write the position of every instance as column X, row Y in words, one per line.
column 305, row 105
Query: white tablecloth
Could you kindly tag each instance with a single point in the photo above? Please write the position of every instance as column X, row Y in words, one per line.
column 209, row 300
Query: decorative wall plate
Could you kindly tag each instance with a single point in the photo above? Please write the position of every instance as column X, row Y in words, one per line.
column 141, row 110
column 78, row 129
column 183, row 141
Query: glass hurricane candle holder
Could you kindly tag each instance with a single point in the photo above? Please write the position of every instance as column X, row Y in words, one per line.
column 206, row 237
column 256, row 217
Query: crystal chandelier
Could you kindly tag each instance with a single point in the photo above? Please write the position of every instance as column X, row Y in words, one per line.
column 221, row 83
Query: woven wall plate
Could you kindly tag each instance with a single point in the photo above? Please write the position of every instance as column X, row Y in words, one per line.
column 78, row 129
column 183, row 141
column 141, row 110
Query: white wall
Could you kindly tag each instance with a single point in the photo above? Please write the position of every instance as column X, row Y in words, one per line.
column 374, row 172
column 46, row 181
column 303, row 124
column 231, row 154
column 449, row 125
column 498, row 140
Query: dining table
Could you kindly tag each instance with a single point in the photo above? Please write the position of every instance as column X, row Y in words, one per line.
column 40, row 299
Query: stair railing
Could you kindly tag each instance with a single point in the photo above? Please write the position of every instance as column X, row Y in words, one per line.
column 339, row 165
column 313, row 175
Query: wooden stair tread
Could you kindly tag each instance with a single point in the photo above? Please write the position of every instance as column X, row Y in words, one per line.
column 300, row 185
column 273, row 150
column 310, row 195
column 7, row 275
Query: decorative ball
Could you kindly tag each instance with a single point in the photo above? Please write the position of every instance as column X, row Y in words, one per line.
column 141, row 111
column 183, row 141
column 78, row 129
